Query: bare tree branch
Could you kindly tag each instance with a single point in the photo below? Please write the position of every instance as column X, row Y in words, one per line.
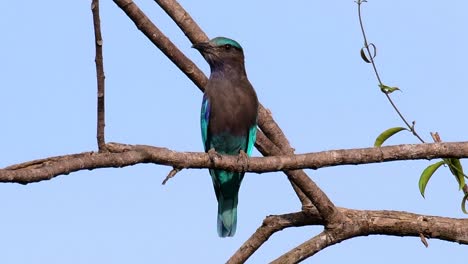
column 158, row 38
column 325, row 239
column 358, row 223
column 183, row 19
column 99, row 75
column 271, row 225
column 122, row 155
column 268, row 148
column 393, row 223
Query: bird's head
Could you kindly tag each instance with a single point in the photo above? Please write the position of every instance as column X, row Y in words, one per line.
column 221, row 52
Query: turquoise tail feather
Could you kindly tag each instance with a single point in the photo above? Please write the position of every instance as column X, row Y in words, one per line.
column 226, row 185
column 227, row 216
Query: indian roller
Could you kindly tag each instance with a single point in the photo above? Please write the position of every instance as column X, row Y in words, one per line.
column 228, row 121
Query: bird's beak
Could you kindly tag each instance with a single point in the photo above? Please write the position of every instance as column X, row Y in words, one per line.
column 202, row 46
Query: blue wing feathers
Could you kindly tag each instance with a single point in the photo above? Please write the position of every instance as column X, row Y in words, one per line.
column 251, row 139
column 204, row 119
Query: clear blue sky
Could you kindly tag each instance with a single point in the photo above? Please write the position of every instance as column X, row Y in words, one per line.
column 303, row 59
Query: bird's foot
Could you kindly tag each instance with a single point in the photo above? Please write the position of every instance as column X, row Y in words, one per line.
column 213, row 155
column 243, row 158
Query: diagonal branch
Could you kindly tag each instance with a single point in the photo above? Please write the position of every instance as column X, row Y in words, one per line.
column 183, row 19
column 144, row 24
column 121, row 155
column 268, row 148
column 323, row 240
column 271, row 225
column 99, row 75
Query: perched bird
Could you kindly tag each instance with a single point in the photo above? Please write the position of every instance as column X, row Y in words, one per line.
column 228, row 121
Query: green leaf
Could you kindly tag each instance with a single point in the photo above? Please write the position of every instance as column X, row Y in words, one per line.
column 457, row 170
column 463, row 204
column 426, row 175
column 387, row 89
column 387, row 134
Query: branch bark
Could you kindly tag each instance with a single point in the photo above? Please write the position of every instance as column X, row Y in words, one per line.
column 144, row 24
column 271, row 225
column 358, row 223
column 370, row 222
column 99, row 76
column 121, row 155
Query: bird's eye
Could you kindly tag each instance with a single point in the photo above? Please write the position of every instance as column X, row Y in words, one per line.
column 227, row 47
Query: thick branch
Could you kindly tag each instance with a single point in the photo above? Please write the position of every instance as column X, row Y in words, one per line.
column 126, row 155
column 394, row 223
column 358, row 223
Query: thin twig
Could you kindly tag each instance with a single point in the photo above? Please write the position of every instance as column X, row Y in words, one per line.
column 423, row 240
column 171, row 174
column 99, row 75
column 370, row 57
